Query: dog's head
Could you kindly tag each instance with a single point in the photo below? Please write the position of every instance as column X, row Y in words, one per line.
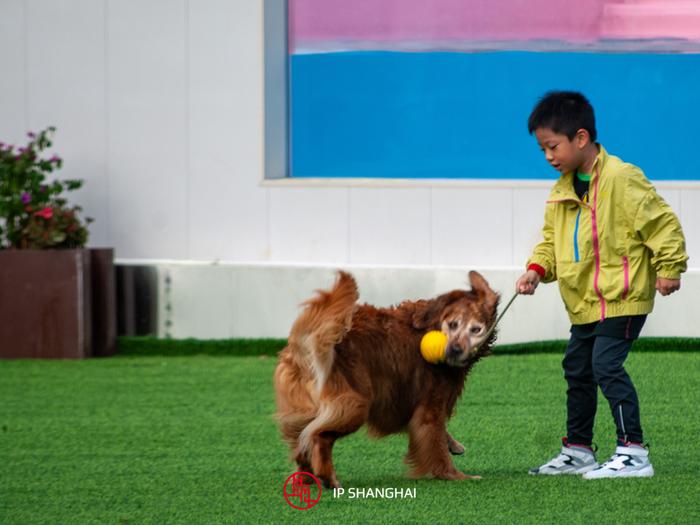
column 463, row 316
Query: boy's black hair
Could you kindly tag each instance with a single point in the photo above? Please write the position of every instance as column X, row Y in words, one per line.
column 563, row 112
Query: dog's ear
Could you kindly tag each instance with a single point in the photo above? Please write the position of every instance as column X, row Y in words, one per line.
column 427, row 313
column 482, row 289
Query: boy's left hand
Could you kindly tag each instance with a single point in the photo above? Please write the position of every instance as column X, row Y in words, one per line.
column 667, row 286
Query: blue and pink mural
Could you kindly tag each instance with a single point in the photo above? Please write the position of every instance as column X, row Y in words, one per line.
column 443, row 88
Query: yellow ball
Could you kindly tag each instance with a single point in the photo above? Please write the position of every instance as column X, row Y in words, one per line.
column 432, row 346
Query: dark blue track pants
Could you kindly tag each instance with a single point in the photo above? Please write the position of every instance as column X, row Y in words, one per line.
column 595, row 361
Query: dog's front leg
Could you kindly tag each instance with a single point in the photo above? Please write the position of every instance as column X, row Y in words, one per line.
column 428, row 452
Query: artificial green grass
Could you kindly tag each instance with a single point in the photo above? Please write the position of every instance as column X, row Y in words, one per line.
column 151, row 346
column 131, row 440
column 643, row 344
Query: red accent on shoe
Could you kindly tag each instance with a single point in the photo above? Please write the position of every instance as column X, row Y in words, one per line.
column 565, row 442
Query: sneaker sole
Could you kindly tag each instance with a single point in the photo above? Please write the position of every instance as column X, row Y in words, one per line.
column 646, row 472
column 583, row 470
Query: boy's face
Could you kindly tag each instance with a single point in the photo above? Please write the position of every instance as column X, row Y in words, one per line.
column 563, row 155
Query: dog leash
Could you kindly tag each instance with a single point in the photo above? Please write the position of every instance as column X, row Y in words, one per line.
column 498, row 319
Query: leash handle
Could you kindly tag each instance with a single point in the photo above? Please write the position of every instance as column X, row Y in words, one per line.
column 498, row 319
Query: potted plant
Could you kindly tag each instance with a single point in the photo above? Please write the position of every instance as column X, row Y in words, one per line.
column 57, row 297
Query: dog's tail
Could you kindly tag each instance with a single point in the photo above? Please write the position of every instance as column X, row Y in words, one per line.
column 326, row 319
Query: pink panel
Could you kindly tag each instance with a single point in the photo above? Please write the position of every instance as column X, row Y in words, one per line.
column 382, row 20
column 652, row 19
column 315, row 21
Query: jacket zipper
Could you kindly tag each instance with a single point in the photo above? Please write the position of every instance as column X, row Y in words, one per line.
column 626, row 267
column 576, row 254
column 596, row 245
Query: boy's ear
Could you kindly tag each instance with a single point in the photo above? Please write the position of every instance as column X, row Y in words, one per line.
column 583, row 138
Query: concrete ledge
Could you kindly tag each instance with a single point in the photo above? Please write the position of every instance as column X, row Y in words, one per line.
column 235, row 300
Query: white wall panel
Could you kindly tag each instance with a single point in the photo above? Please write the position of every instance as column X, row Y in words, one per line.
column 159, row 106
column 528, row 217
column 227, row 205
column 676, row 315
column 267, row 298
column 196, row 299
column 240, row 300
column 13, row 102
column 471, row 226
column 147, row 127
column 309, row 224
column 537, row 317
column 390, row 225
column 672, row 197
column 690, row 220
column 66, row 88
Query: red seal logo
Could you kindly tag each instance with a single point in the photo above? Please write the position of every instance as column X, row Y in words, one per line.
column 302, row 490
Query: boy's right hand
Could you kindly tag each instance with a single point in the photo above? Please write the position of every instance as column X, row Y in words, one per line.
column 527, row 283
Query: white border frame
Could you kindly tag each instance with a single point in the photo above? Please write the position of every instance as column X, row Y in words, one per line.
column 359, row 182
column 276, row 121
column 275, row 90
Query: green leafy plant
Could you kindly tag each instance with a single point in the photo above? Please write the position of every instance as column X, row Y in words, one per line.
column 34, row 214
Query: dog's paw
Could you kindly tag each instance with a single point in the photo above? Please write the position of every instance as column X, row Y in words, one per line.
column 331, row 484
column 455, row 447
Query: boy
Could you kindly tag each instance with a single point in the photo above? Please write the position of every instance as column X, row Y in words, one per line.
column 610, row 240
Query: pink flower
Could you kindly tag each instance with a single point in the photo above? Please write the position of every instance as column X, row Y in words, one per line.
column 46, row 213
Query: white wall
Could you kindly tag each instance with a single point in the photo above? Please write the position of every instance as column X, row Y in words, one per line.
column 159, row 107
column 219, row 301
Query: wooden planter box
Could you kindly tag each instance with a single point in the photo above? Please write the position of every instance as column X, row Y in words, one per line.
column 57, row 304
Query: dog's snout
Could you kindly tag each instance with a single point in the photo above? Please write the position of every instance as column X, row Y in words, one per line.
column 454, row 350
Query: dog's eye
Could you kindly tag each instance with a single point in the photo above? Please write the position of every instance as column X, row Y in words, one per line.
column 453, row 325
column 475, row 329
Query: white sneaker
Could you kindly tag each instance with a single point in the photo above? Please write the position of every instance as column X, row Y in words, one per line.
column 627, row 462
column 571, row 460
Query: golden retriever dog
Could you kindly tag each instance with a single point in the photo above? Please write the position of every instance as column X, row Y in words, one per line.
column 347, row 365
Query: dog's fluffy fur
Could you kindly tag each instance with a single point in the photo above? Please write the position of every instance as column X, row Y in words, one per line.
column 346, row 365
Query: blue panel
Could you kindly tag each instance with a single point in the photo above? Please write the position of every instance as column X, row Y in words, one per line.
column 464, row 115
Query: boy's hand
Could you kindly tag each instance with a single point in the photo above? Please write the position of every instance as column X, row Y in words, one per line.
column 527, row 283
column 667, row 286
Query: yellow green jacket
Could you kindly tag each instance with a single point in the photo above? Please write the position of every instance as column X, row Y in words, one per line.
column 607, row 253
